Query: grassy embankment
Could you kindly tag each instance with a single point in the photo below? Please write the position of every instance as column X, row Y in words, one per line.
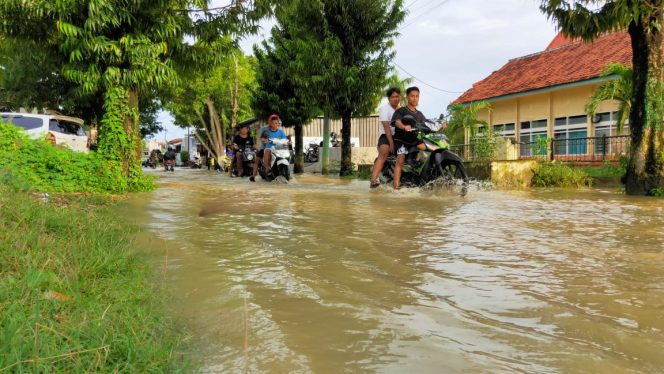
column 74, row 297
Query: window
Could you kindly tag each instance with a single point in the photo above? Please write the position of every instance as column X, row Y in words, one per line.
column 571, row 135
column 505, row 130
column 607, row 127
column 531, row 134
column 27, row 123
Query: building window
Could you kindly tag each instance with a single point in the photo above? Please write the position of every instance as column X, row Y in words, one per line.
column 531, row 133
column 505, row 130
column 606, row 126
column 571, row 135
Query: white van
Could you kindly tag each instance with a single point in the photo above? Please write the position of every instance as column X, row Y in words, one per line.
column 56, row 129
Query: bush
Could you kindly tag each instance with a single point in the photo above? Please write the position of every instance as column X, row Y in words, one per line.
column 35, row 164
column 184, row 157
column 551, row 174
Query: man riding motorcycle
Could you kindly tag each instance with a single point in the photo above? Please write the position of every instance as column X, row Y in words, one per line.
column 242, row 140
column 268, row 134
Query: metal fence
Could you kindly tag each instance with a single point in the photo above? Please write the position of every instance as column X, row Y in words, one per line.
column 596, row 149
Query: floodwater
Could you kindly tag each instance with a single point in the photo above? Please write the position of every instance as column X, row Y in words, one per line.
column 326, row 276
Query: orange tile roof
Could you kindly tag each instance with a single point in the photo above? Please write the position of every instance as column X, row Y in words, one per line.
column 568, row 63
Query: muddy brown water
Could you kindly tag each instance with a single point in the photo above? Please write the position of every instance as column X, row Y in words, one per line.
column 326, row 276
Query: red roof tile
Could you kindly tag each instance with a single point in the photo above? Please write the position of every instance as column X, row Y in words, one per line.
column 560, row 40
column 568, row 63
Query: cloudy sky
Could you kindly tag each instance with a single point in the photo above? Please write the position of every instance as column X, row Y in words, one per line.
column 447, row 45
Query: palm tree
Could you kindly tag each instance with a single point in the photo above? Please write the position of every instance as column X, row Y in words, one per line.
column 465, row 117
column 589, row 19
column 619, row 89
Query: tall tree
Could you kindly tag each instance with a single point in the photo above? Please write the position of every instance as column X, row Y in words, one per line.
column 588, row 19
column 213, row 101
column 277, row 91
column 122, row 48
column 344, row 55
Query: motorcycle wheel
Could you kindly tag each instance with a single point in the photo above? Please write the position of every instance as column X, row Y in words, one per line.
column 453, row 171
column 283, row 171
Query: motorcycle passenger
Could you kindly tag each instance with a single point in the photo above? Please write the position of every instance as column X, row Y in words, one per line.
column 169, row 159
column 268, row 133
column 240, row 141
column 386, row 130
column 405, row 119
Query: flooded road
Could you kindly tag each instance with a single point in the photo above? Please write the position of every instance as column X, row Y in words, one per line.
column 327, row 276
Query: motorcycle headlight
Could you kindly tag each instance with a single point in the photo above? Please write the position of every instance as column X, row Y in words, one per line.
column 250, row 157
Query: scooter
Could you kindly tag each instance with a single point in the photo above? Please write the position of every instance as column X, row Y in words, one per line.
column 168, row 165
column 280, row 163
column 248, row 159
column 436, row 162
column 197, row 164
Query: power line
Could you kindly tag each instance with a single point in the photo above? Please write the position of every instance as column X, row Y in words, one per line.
column 425, row 83
column 423, row 13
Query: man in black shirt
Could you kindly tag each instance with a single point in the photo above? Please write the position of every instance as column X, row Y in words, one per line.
column 240, row 141
column 405, row 119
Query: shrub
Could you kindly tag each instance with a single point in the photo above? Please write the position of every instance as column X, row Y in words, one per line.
column 551, row 174
column 27, row 163
column 184, row 157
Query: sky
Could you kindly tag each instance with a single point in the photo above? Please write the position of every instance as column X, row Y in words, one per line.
column 447, row 45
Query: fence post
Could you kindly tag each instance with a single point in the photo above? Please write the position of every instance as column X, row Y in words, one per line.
column 603, row 147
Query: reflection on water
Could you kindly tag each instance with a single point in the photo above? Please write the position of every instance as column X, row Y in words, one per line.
column 324, row 275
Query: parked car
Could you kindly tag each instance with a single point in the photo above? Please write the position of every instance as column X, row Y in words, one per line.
column 56, row 129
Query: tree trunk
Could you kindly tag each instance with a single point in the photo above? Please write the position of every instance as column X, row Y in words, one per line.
column 217, row 129
column 299, row 150
column 346, row 156
column 131, row 127
column 645, row 172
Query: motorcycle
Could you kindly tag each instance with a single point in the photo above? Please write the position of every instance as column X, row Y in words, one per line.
column 248, row 159
column 280, row 162
column 311, row 153
column 436, row 162
column 197, row 164
column 168, row 165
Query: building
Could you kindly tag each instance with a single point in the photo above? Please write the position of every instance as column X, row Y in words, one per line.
column 543, row 95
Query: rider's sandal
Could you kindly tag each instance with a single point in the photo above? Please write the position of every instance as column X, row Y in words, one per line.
column 397, row 188
column 374, row 184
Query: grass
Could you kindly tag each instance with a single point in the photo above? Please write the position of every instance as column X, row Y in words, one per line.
column 603, row 171
column 73, row 295
column 552, row 174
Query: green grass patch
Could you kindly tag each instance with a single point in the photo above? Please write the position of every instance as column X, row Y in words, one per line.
column 73, row 295
column 603, row 171
column 552, row 174
column 35, row 164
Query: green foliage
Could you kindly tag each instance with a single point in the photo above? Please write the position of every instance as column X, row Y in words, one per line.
column 34, row 164
column 277, row 91
column 606, row 170
column 619, row 89
column 657, row 192
column 184, row 157
column 540, row 146
column 465, row 117
column 552, row 174
column 75, row 298
column 484, row 145
column 344, row 50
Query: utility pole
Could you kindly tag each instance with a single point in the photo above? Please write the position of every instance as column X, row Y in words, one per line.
column 326, row 145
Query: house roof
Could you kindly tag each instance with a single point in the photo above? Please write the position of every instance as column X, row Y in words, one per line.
column 564, row 61
column 175, row 141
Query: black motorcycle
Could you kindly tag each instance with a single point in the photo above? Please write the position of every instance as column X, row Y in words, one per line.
column 435, row 163
column 248, row 160
column 311, row 154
